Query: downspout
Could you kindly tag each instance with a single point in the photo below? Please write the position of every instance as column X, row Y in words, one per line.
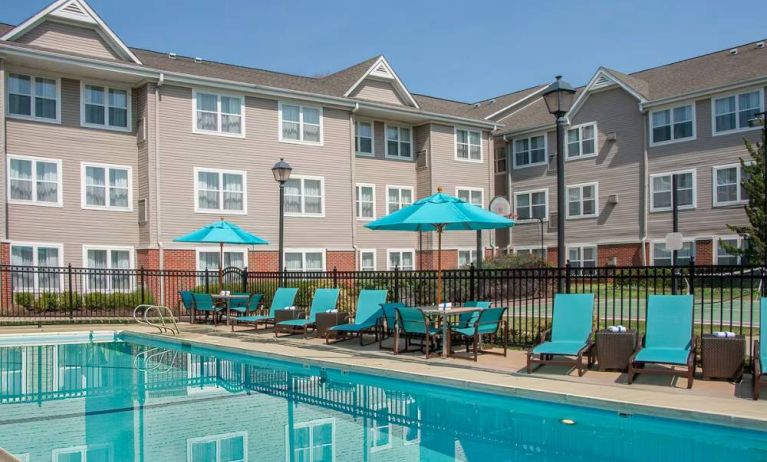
column 508, row 189
column 643, row 191
column 352, row 156
column 3, row 145
column 157, row 171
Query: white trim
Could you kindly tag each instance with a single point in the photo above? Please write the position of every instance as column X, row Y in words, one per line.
column 220, row 172
column 458, row 251
column 651, row 190
column 102, row 29
column 399, row 85
column 35, row 262
column 300, row 140
column 739, row 179
column 219, row 113
column 727, row 237
column 303, row 251
column 311, row 424
column 399, row 187
column 400, row 251
column 60, row 183
column 468, row 145
column 471, row 189
column 740, row 91
column 535, row 134
column 374, row 429
column 399, row 128
column 32, row 96
column 372, row 152
column 359, row 258
column 580, row 247
column 529, row 192
column 109, row 249
column 602, row 71
column 580, row 186
column 83, row 449
column 580, row 128
column 217, row 439
column 671, row 108
column 216, row 249
column 303, row 213
column 107, row 125
column 653, row 242
column 106, row 167
column 357, row 202
column 519, row 101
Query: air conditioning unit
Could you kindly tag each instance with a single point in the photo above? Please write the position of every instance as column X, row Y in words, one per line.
column 612, row 136
column 422, row 159
column 612, row 199
column 553, row 217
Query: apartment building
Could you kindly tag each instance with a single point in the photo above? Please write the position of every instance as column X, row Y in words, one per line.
column 111, row 152
column 627, row 135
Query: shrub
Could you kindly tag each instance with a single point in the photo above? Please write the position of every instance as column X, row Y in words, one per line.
column 25, row 300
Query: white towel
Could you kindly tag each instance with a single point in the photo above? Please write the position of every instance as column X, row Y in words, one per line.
column 720, row 334
column 291, row 308
column 612, row 329
column 332, row 311
column 729, row 334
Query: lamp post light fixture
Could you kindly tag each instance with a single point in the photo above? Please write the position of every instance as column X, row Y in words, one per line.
column 559, row 98
column 760, row 118
column 281, row 171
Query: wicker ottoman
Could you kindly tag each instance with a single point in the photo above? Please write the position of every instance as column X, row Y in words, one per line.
column 327, row 320
column 614, row 349
column 723, row 357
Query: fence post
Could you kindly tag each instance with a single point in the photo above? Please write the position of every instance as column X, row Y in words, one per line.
column 141, row 278
column 71, row 295
column 567, row 276
column 245, row 280
column 396, row 283
column 207, row 282
column 471, row 282
column 335, row 277
column 692, row 277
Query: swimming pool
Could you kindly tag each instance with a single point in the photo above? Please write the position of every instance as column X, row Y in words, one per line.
column 130, row 398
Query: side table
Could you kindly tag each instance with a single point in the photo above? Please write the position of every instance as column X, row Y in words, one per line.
column 723, row 357
column 325, row 321
column 614, row 349
column 286, row 315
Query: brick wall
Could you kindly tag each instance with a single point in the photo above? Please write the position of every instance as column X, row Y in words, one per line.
column 262, row 260
column 148, row 258
column 704, row 252
column 428, row 259
column 6, row 297
column 342, row 260
column 625, row 254
column 185, row 260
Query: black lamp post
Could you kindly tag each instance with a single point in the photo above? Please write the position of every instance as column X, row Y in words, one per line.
column 559, row 98
column 761, row 119
column 281, row 171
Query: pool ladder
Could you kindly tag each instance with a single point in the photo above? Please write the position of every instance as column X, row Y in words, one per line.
column 155, row 360
column 163, row 320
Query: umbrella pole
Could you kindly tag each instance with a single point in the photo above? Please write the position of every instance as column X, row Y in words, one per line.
column 221, row 267
column 439, row 265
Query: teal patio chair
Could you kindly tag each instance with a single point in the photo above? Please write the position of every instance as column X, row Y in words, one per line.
column 413, row 323
column 323, row 300
column 205, row 304
column 186, row 301
column 571, row 333
column 366, row 319
column 669, row 338
column 760, row 349
column 465, row 319
column 488, row 322
column 283, row 298
column 240, row 305
column 388, row 322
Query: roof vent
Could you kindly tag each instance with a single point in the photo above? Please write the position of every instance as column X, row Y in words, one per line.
column 734, row 51
column 197, row 60
column 172, row 55
column 491, row 101
column 760, row 44
column 477, row 105
column 602, row 81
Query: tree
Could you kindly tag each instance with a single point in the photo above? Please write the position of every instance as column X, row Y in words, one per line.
column 752, row 182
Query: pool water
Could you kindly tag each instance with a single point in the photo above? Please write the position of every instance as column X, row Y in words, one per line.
column 137, row 399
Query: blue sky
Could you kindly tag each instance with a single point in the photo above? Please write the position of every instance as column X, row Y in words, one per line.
column 459, row 50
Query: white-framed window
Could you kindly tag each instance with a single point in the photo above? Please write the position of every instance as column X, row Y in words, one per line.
column 398, row 197
column 466, row 257
column 500, row 160
column 399, row 142
column 33, row 97
column 13, row 375
column 220, row 191
column 34, row 181
column 474, row 196
column 529, row 151
column 88, row 453
column 202, row 371
column 663, row 257
column 304, row 260
column 724, row 250
column 209, row 258
column 582, row 256
column 73, row 371
column 364, row 137
column 106, row 187
column 536, row 252
column 532, row 205
column 105, row 107
column 367, row 260
column 672, row 124
column 380, row 430
column 583, row 200
column 366, row 201
column 41, row 255
column 403, row 259
column 226, row 447
column 728, row 185
column 661, row 194
column 313, row 441
column 582, row 141
column 305, row 196
column 118, row 260
column 468, row 145
column 300, row 124
column 731, row 113
column 218, row 114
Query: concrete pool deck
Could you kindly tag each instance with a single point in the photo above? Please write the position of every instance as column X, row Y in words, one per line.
column 712, row 401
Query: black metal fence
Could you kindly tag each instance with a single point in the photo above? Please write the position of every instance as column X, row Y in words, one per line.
column 726, row 297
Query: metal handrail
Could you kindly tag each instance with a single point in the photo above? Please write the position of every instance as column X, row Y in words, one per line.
column 163, row 313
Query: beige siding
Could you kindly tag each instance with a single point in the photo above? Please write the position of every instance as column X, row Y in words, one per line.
column 71, row 225
column 69, row 38
column 146, row 174
column 3, row 161
column 377, row 90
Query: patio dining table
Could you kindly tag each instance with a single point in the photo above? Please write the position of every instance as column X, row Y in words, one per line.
column 227, row 301
column 443, row 315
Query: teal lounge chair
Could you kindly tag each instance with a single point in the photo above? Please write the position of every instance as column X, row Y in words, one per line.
column 283, row 298
column 760, row 349
column 323, row 300
column 413, row 323
column 488, row 322
column 669, row 339
column 366, row 319
column 388, row 322
column 204, row 303
column 571, row 333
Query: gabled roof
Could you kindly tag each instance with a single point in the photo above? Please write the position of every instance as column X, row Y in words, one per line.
column 79, row 13
column 381, row 70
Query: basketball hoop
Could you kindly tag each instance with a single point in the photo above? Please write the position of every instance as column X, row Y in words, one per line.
column 501, row 206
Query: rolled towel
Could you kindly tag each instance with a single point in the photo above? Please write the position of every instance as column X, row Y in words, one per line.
column 621, row 328
column 613, row 329
column 729, row 334
column 291, row 308
column 334, row 310
column 720, row 334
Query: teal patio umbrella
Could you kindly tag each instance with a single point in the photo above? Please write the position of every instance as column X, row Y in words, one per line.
column 440, row 212
column 221, row 232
